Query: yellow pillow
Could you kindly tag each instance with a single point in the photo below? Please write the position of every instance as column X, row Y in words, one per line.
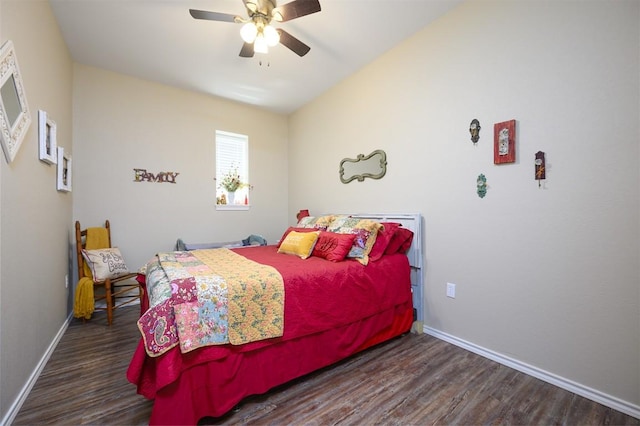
column 299, row 243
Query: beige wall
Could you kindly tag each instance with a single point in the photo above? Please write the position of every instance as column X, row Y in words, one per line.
column 35, row 219
column 123, row 123
column 546, row 276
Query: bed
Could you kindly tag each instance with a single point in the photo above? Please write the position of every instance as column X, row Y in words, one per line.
column 329, row 310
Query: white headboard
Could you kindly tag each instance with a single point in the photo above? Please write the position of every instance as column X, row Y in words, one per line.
column 412, row 222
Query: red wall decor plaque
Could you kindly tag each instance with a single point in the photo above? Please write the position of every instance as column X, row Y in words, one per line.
column 504, row 142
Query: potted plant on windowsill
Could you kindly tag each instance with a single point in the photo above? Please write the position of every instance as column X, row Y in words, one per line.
column 231, row 182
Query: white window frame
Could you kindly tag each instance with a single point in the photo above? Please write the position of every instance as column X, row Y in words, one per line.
column 232, row 152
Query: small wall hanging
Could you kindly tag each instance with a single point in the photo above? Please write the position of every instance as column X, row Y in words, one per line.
column 372, row 166
column 504, row 142
column 474, row 129
column 64, row 171
column 47, row 138
column 481, row 185
column 141, row 175
column 541, row 172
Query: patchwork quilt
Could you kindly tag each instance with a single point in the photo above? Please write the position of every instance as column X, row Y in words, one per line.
column 210, row 297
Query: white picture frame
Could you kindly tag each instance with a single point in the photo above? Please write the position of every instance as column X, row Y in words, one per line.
column 14, row 111
column 47, row 138
column 64, row 171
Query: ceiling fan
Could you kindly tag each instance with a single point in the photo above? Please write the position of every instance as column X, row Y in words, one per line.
column 257, row 32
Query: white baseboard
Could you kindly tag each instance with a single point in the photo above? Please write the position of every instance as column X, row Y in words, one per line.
column 571, row 386
column 26, row 389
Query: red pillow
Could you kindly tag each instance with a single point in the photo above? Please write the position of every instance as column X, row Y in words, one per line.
column 401, row 241
column 291, row 228
column 383, row 239
column 333, row 246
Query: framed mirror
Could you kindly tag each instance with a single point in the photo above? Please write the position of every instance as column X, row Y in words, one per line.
column 372, row 166
column 14, row 111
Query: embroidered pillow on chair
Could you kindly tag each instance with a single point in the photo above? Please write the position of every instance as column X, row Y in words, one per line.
column 105, row 263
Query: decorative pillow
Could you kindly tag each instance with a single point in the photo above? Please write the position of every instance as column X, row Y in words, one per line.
column 105, row 263
column 401, row 241
column 299, row 243
column 365, row 231
column 333, row 246
column 385, row 234
column 319, row 222
column 291, row 228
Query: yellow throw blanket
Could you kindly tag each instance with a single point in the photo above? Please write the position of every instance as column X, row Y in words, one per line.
column 83, row 305
column 255, row 295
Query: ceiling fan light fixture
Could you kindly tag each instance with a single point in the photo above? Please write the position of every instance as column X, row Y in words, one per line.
column 271, row 35
column 277, row 15
column 260, row 44
column 256, row 31
column 252, row 6
column 249, row 32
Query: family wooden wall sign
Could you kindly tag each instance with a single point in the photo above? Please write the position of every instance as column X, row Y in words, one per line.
column 142, row 175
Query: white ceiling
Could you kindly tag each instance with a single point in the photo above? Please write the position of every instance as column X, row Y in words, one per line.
column 158, row 40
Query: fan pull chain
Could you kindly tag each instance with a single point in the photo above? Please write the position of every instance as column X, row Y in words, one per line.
column 268, row 63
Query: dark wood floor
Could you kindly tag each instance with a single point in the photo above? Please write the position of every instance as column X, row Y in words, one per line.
column 413, row 379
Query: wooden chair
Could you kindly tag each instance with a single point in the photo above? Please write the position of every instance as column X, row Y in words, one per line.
column 115, row 292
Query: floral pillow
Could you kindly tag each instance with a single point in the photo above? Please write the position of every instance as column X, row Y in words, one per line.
column 105, row 263
column 316, row 222
column 365, row 231
column 300, row 244
column 332, row 246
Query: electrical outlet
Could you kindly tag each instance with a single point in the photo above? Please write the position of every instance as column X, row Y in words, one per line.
column 66, row 281
column 451, row 290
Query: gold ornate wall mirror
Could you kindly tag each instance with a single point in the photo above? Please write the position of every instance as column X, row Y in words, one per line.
column 372, row 166
column 14, row 111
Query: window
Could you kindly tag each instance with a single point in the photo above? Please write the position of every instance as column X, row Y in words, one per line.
column 232, row 169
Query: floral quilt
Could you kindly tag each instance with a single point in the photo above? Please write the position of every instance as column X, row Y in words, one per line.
column 210, row 297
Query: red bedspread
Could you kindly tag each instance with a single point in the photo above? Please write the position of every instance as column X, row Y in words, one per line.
column 320, row 296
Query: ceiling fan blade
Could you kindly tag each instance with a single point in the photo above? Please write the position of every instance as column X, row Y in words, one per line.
column 293, row 43
column 295, row 9
column 213, row 16
column 247, row 50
